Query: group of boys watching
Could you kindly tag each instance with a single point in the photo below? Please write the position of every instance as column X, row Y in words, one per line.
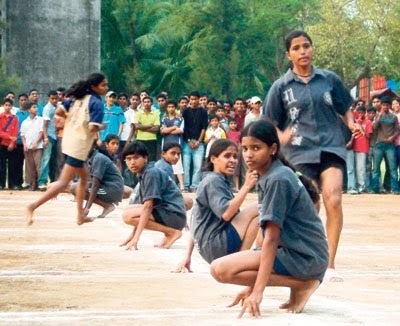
column 379, row 139
column 195, row 121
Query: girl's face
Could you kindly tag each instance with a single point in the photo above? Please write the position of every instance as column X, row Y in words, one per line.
column 226, row 161
column 172, row 155
column 300, row 52
column 395, row 106
column 112, row 146
column 101, row 89
column 136, row 162
column 257, row 154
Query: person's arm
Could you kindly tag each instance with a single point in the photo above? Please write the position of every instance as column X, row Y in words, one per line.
column 185, row 263
column 268, row 254
column 121, row 127
column 36, row 142
column 143, row 219
column 24, row 143
column 132, row 132
column 45, row 137
column 92, row 194
column 237, row 201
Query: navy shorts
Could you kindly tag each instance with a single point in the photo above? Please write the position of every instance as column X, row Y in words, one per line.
column 233, row 239
column 169, row 219
column 314, row 170
column 74, row 162
column 278, row 267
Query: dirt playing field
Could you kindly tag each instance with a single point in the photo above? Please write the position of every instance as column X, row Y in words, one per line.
column 57, row 273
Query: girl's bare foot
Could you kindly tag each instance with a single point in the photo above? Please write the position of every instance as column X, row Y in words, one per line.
column 106, row 211
column 29, row 214
column 85, row 219
column 302, row 295
column 169, row 239
column 289, row 303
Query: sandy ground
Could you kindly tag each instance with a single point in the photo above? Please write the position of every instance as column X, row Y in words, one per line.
column 56, row 273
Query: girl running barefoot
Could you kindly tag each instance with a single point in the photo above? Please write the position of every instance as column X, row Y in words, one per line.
column 83, row 122
column 217, row 225
column 294, row 251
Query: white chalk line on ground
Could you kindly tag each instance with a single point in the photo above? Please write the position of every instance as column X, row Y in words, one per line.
column 318, row 308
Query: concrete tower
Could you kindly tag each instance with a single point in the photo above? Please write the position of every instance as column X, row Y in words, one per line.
column 51, row 43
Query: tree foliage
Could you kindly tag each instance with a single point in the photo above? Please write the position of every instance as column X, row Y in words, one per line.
column 232, row 48
column 357, row 38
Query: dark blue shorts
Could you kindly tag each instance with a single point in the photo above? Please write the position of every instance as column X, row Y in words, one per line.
column 74, row 162
column 233, row 239
column 278, row 267
column 327, row 160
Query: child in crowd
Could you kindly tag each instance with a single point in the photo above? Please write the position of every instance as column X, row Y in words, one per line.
column 111, row 146
column 213, row 132
column 218, row 226
column 234, row 135
column 294, row 251
column 172, row 127
column 114, row 118
column 170, row 155
column 106, row 186
column 83, row 123
column 32, row 140
column 361, row 149
column 223, row 122
column 8, row 144
column 158, row 205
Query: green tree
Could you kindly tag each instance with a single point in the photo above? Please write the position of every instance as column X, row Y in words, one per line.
column 357, row 38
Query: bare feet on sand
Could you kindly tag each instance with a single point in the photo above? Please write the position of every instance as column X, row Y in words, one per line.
column 331, row 275
column 106, row 211
column 29, row 214
column 85, row 219
column 169, row 239
column 299, row 297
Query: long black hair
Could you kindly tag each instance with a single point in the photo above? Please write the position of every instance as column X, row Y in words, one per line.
column 83, row 87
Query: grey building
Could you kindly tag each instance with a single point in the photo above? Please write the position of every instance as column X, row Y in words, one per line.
column 50, row 43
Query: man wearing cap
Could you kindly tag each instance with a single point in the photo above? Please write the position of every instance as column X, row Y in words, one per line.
column 386, row 128
column 255, row 113
column 114, row 117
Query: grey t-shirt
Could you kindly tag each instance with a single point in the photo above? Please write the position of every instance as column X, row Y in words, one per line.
column 207, row 226
column 312, row 112
column 165, row 166
column 283, row 200
column 101, row 167
column 168, row 201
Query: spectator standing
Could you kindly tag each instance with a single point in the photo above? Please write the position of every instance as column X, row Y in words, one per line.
column 8, row 137
column 114, row 117
column 361, row 149
column 147, row 124
column 32, row 139
column 196, row 122
column 49, row 166
column 386, row 128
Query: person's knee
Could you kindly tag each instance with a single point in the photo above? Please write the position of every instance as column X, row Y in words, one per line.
column 219, row 271
column 126, row 217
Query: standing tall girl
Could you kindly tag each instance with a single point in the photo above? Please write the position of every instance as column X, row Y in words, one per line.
column 306, row 105
column 294, row 250
column 84, row 120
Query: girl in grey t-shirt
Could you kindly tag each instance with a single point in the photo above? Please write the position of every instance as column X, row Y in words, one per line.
column 294, row 251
